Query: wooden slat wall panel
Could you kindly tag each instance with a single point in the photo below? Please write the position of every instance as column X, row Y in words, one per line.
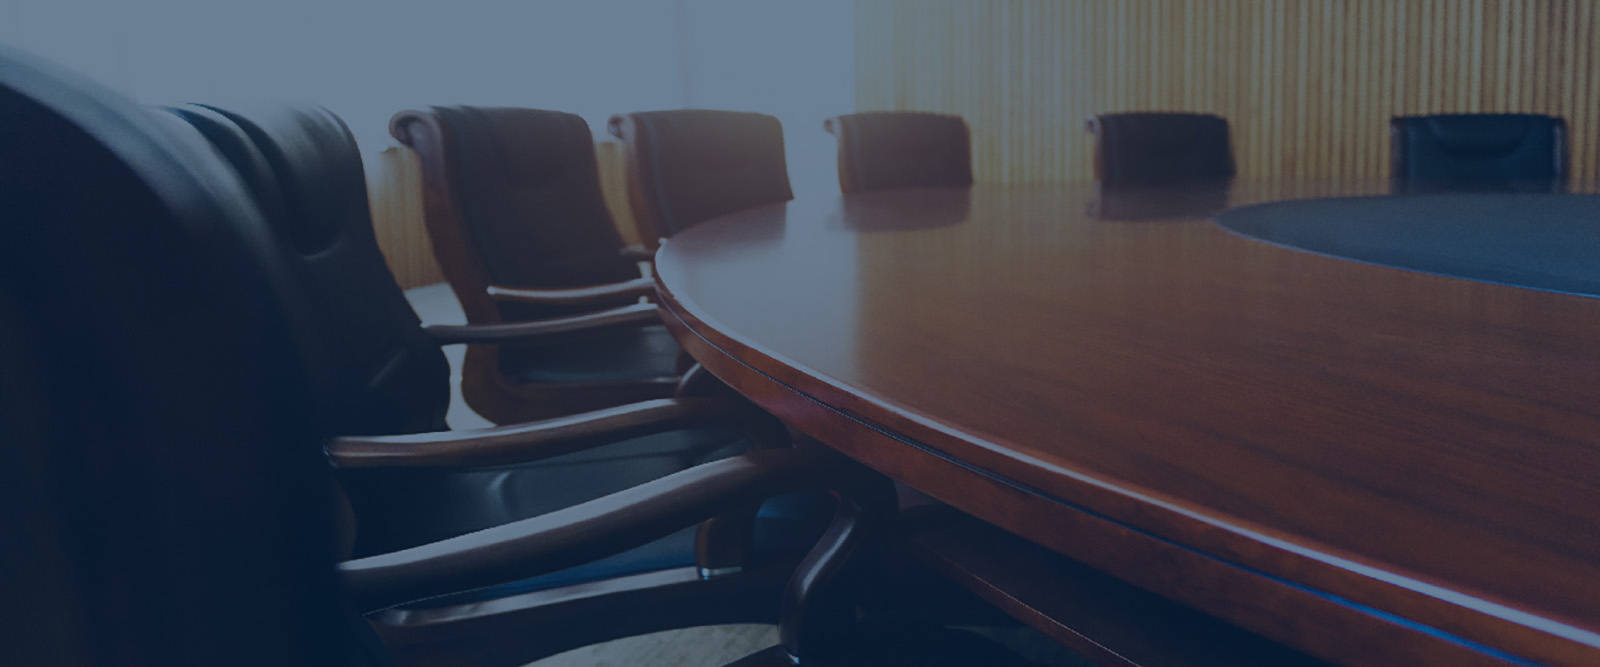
column 1308, row 85
column 394, row 189
column 613, row 161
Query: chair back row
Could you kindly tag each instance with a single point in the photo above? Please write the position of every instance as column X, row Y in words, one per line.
column 1505, row 152
column 170, row 283
column 513, row 199
column 687, row 166
column 1516, row 152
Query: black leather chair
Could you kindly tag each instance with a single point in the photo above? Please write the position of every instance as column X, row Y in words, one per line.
column 1465, row 152
column 168, row 499
column 154, row 513
column 882, row 150
column 376, row 378
column 520, row 227
column 177, row 510
column 691, row 165
column 1160, row 148
column 375, row 371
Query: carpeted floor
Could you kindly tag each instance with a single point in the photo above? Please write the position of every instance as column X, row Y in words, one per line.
column 694, row 647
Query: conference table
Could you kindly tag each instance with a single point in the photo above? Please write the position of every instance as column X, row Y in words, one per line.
column 1362, row 428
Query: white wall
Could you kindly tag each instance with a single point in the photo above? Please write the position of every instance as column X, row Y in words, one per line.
column 366, row 59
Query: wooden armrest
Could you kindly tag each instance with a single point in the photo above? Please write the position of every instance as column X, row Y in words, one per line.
column 592, row 530
column 520, row 443
column 638, row 253
column 641, row 314
column 576, row 296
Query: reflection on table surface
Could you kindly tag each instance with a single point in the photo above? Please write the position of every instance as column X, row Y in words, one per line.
column 1412, row 442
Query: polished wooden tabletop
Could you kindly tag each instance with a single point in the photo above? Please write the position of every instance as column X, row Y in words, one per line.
column 1374, row 465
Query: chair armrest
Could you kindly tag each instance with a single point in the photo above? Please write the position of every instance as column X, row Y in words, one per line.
column 638, row 253
column 637, row 315
column 521, row 443
column 595, row 529
column 576, row 296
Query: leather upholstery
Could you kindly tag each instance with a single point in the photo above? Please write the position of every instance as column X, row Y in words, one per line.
column 373, row 370
column 513, row 199
column 787, row 525
column 691, row 165
column 400, row 507
column 1151, row 148
column 901, row 149
column 599, row 356
column 277, row 148
column 528, row 188
column 156, row 513
column 1499, row 152
column 175, row 509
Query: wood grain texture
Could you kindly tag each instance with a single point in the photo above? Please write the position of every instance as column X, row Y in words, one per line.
column 1372, row 465
column 613, row 160
column 1308, row 86
column 394, row 189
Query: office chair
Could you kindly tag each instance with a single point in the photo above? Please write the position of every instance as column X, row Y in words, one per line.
column 1465, row 152
column 1160, row 148
column 177, row 509
column 376, row 378
column 513, row 206
column 691, row 165
column 901, row 149
column 154, row 510
column 169, row 501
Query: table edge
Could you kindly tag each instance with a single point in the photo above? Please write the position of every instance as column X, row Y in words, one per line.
column 1366, row 593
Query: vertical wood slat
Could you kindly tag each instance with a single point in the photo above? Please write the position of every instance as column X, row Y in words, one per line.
column 394, row 192
column 1308, row 85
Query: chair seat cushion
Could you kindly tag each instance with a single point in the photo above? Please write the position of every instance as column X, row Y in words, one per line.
column 673, row 551
column 398, row 508
column 787, row 525
column 604, row 356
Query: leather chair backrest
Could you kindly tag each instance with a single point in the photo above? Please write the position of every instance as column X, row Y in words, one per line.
column 371, row 368
column 155, row 514
column 524, row 198
column 691, row 165
column 1161, row 148
column 901, row 149
column 1507, row 152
